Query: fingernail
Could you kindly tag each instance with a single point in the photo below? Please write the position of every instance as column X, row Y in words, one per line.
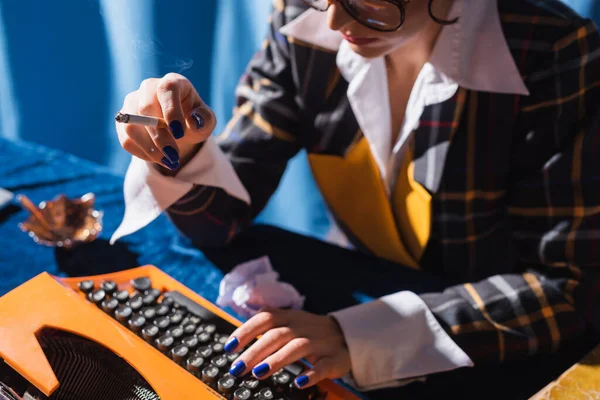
column 231, row 345
column 176, row 129
column 199, row 120
column 169, row 164
column 261, row 370
column 237, row 368
column 301, row 381
column 171, row 154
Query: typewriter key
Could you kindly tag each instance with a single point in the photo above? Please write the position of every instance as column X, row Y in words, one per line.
column 110, row 305
column 164, row 343
column 176, row 332
column 179, row 353
column 150, row 333
column 142, row 283
column 210, row 328
column 190, row 341
column 86, row 286
column 232, row 356
column 195, row 320
column 167, row 301
column 162, row 322
column 266, row 394
column 281, row 378
column 148, row 300
column 219, row 361
column 242, row 394
column 226, row 384
column 217, row 347
column 176, row 318
column 97, row 296
column 189, row 329
column 162, row 309
column 123, row 313
column 108, row 286
column 154, row 292
column 149, row 313
column 251, row 383
column 209, row 374
column 122, row 296
column 135, row 302
column 136, row 323
column 194, row 363
column 204, row 351
column 204, row 337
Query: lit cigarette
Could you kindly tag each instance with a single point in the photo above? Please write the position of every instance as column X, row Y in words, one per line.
column 142, row 120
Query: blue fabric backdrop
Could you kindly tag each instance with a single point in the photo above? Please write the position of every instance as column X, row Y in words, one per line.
column 66, row 65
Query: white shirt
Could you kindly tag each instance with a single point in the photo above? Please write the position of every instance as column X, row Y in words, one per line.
column 396, row 339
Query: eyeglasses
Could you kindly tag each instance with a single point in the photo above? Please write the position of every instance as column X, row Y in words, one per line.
column 379, row 15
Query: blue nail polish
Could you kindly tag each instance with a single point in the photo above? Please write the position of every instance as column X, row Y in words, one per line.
column 169, row 164
column 261, row 370
column 237, row 368
column 231, row 345
column 301, row 381
column 176, row 129
column 171, row 154
column 199, row 120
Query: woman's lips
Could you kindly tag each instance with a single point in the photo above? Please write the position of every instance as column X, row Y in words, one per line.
column 360, row 41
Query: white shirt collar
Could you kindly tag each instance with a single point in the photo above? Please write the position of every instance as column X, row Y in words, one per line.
column 473, row 52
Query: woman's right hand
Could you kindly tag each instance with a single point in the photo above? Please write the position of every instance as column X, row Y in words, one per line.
column 174, row 99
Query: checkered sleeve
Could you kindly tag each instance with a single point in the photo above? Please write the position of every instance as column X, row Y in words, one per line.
column 263, row 134
column 554, row 212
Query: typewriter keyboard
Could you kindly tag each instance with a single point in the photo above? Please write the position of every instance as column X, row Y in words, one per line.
column 192, row 337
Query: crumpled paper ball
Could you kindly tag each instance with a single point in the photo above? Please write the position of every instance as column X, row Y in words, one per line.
column 254, row 285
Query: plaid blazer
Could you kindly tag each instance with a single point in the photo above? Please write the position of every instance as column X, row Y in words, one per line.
column 515, row 208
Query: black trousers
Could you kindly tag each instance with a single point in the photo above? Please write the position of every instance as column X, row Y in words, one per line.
column 332, row 278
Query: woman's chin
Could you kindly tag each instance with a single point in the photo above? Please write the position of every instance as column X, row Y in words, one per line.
column 369, row 51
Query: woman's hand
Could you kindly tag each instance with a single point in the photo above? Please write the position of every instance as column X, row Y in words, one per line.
column 288, row 336
column 174, row 99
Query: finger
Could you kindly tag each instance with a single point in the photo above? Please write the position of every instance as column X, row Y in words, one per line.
column 171, row 90
column 269, row 343
column 291, row 352
column 124, row 133
column 165, row 157
column 324, row 368
column 255, row 326
column 163, row 140
column 201, row 122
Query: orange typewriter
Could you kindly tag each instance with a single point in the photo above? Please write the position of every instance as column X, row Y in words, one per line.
column 135, row 334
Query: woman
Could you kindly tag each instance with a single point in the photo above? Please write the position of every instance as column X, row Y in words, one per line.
column 458, row 137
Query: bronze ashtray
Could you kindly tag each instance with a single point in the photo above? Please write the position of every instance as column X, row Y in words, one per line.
column 62, row 222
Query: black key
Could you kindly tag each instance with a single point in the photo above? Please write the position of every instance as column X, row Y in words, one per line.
column 148, row 300
column 164, row 343
column 217, row 337
column 200, row 329
column 189, row 329
column 176, row 332
column 108, row 286
column 150, row 333
column 110, row 305
column 162, row 322
column 194, row 363
column 210, row 328
column 86, row 286
column 123, row 313
column 142, row 283
column 193, row 307
column 251, row 383
column 176, row 318
column 266, row 394
column 204, row 351
column 242, row 394
column 209, row 374
column 226, row 384
column 154, row 292
column 223, row 339
column 219, row 361
column 180, row 307
column 135, row 302
column 179, row 353
column 149, row 312
column 281, row 378
column 136, row 323
column 190, row 341
column 97, row 296
column 162, row 309
column 168, row 301
column 217, row 347
column 232, row 356
column 203, row 337
column 195, row 320
column 122, row 296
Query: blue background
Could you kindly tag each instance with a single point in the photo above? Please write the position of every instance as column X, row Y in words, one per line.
column 66, row 65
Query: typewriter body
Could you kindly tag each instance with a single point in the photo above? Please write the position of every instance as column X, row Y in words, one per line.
column 135, row 334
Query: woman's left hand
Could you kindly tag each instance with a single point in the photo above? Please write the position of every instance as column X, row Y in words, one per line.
column 288, row 336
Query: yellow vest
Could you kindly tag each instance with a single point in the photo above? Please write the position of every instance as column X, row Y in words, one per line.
column 395, row 229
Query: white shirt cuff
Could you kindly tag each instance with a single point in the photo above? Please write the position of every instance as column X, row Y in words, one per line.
column 148, row 193
column 395, row 340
